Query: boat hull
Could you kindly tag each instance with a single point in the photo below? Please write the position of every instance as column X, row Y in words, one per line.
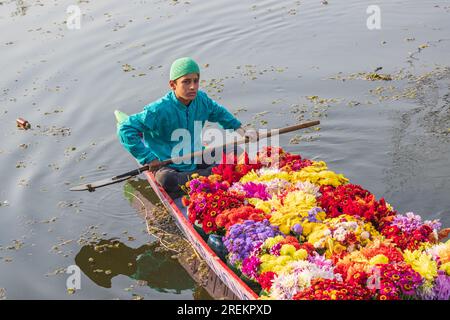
column 223, row 272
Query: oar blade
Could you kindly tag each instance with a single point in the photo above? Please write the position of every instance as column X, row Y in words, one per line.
column 97, row 184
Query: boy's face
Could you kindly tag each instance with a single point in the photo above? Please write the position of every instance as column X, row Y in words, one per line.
column 185, row 87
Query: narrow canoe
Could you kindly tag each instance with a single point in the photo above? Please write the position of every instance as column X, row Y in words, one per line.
column 240, row 289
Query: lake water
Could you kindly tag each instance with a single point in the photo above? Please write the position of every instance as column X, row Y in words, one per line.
column 273, row 63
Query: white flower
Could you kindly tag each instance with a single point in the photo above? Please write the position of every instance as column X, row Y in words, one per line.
column 298, row 276
column 268, row 171
column 308, row 187
column 365, row 235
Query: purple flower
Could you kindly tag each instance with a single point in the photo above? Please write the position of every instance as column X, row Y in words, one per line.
column 197, row 186
column 410, row 222
column 312, row 214
column 321, row 262
column 297, row 228
column 244, row 238
column 434, row 224
column 275, row 250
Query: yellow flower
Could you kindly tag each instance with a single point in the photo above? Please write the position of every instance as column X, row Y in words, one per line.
column 283, row 260
column 446, row 268
column 321, row 216
column 333, row 247
column 309, row 227
column 379, row 259
column 300, row 254
column 278, row 269
column 266, row 176
column 444, row 252
column 264, row 297
column 319, row 174
column 296, row 206
column 318, row 232
column 215, row 178
column 287, row 250
column 269, row 264
column 389, row 207
column 270, row 242
column 260, row 204
column 251, row 176
column 422, row 263
column 266, row 258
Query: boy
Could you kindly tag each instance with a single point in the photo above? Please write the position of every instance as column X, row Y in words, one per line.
column 179, row 109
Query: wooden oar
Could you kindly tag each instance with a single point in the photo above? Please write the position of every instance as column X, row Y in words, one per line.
column 124, row 176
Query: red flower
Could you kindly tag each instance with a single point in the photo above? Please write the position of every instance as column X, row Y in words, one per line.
column 265, row 280
column 209, row 224
column 185, row 201
column 355, row 201
column 231, row 169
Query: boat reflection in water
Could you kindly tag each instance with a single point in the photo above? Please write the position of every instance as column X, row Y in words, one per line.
column 101, row 261
column 105, row 259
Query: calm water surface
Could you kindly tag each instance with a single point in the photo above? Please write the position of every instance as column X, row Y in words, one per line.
column 265, row 60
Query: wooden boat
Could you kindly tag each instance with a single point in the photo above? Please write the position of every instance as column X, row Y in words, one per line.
column 221, row 272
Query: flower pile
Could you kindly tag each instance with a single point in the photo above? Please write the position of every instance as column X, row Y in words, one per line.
column 297, row 230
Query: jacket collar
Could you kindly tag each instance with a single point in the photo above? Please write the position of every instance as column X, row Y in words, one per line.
column 177, row 102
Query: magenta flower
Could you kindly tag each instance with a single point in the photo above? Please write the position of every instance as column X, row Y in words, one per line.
column 256, row 190
column 250, row 267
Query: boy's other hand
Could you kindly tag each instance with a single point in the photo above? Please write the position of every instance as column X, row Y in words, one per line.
column 250, row 133
column 154, row 165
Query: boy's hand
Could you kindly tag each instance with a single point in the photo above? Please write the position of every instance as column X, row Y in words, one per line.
column 252, row 134
column 154, row 166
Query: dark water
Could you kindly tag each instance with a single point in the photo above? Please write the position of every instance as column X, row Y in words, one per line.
column 264, row 59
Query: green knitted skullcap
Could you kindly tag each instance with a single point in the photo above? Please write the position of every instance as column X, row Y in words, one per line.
column 182, row 67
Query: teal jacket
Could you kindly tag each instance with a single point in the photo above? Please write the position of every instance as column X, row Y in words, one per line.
column 161, row 118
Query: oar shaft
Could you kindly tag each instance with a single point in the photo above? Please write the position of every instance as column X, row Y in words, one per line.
column 131, row 173
column 232, row 143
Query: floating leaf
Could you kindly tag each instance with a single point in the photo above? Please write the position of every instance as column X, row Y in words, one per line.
column 373, row 76
column 127, row 68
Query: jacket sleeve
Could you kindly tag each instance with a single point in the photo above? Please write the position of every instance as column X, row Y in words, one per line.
column 218, row 113
column 129, row 137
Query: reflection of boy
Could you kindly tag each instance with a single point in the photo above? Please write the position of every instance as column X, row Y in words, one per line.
column 108, row 255
column 179, row 109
